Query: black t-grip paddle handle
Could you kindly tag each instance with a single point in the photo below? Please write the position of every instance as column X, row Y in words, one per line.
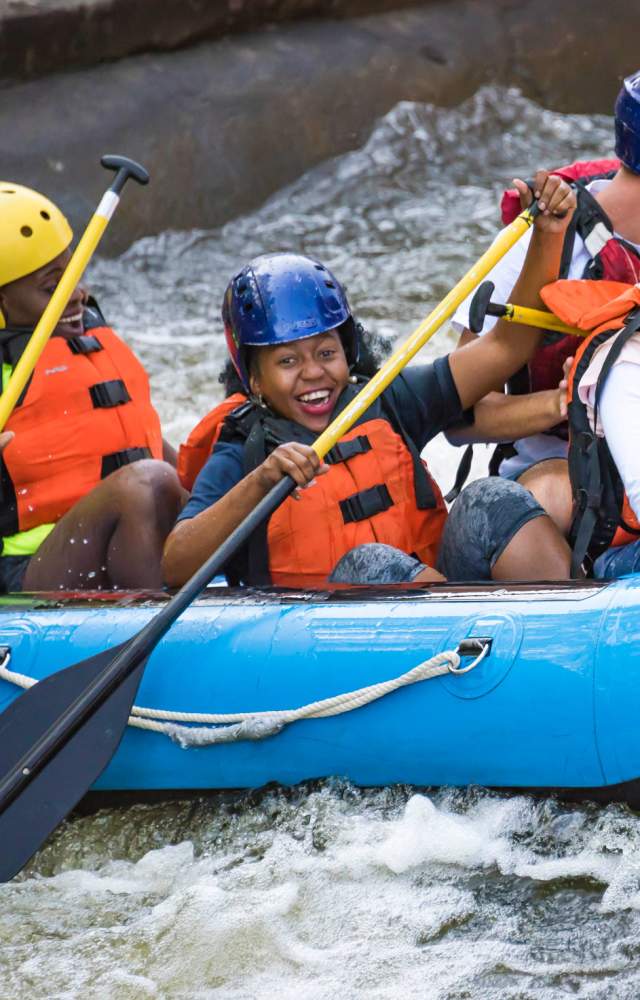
column 482, row 306
column 125, row 168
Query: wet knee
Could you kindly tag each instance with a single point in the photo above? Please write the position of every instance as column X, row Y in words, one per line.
column 149, row 484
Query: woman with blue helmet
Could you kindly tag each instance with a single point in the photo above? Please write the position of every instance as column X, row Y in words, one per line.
column 294, row 343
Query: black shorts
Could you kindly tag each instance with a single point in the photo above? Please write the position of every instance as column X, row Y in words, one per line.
column 12, row 571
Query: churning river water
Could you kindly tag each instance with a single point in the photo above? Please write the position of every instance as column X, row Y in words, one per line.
column 330, row 891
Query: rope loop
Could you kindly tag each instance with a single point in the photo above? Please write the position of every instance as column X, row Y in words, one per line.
column 198, row 729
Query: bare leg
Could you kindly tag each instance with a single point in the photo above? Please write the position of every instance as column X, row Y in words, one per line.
column 549, row 483
column 536, row 552
column 114, row 536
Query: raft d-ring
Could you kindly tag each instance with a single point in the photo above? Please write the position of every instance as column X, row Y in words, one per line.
column 479, row 648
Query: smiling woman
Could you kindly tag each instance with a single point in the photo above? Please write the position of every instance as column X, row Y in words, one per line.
column 79, row 509
column 295, row 345
column 28, row 296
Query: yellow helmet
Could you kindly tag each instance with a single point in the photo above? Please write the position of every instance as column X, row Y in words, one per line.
column 33, row 231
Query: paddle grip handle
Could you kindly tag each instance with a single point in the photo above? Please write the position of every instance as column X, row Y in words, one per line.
column 125, row 168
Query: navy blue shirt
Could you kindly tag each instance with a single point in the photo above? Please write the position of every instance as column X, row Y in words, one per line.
column 425, row 398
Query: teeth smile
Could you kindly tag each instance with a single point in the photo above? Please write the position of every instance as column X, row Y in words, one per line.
column 320, row 395
column 71, row 319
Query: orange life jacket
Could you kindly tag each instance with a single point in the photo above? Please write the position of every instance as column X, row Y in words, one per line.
column 85, row 412
column 602, row 513
column 195, row 451
column 377, row 490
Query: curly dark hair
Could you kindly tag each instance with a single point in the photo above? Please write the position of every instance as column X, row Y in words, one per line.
column 374, row 349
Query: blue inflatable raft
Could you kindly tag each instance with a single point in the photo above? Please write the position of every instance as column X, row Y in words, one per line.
column 553, row 705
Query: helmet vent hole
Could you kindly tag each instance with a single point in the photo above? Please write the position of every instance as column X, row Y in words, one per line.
column 247, row 306
column 242, row 288
column 8, row 191
column 26, row 231
column 320, row 267
column 330, row 284
column 45, row 215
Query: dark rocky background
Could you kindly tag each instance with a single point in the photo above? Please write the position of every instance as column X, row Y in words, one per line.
column 224, row 101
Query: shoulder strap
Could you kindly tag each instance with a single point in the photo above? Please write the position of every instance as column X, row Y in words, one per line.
column 598, row 499
column 425, row 496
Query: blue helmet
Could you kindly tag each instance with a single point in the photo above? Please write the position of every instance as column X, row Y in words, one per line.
column 280, row 297
column 627, row 112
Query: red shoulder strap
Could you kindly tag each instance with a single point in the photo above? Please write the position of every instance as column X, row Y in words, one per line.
column 580, row 170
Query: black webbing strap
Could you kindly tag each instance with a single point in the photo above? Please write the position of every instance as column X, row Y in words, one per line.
column 589, row 499
column 117, row 459
column 365, row 504
column 345, row 450
column 104, row 395
column 462, row 474
column 86, row 344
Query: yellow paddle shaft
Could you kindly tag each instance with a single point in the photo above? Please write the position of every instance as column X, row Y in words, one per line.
column 540, row 318
column 401, row 357
column 57, row 304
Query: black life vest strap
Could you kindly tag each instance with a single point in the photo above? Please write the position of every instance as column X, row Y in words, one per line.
column 344, row 450
column 85, row 344
column 105, row 395
column 117, row 459
column 462, row 474
column 365, row 504
column 587, row 501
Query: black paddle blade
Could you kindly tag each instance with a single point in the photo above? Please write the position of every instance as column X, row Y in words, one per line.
column 54, row 789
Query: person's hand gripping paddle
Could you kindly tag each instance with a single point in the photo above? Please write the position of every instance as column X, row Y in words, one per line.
column 58, row 736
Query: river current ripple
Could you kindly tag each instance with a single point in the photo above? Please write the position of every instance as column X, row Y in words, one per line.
column 330, row 891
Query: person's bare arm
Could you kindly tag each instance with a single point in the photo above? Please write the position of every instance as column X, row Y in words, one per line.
column 500, row 417
column 484, row 364
column 192, row 541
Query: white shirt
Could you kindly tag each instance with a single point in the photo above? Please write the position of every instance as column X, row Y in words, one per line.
column 504, row 275
column 619, row 414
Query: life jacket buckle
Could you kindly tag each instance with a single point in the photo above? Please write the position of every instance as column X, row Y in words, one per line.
column 345, row 450
column 85, row 344
column 366, row 504
column 104, row 395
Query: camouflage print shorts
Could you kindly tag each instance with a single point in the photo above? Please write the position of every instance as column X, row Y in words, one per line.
column 482, row 522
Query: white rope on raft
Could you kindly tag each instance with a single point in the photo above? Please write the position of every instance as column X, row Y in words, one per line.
column 225, row 728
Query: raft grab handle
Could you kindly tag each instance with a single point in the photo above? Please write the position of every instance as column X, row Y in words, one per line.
column 478, row 647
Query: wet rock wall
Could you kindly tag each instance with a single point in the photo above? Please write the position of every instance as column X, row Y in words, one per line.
column 222, row 124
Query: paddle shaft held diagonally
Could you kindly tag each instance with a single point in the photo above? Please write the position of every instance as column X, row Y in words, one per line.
column 85, row 690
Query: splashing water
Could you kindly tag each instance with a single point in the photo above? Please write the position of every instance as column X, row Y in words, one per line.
column 328, row 891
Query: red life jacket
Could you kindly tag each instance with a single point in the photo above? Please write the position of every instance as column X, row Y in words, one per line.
column 612, row 259
column 85, row 412
column 377, row 490
column 602, row 513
